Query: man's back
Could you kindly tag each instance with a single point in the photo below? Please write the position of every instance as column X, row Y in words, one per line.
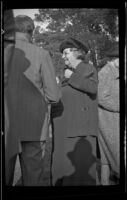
column 39, row 69
column 29, row 86
column 27, row 106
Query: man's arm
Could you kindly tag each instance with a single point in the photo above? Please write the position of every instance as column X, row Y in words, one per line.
column 51, row 89
column 84, row 79
column 108, row 98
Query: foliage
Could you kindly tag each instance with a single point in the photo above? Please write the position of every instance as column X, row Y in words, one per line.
column 96, row 28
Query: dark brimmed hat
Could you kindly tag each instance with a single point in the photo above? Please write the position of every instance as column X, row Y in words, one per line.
column 73, row 43
column 113, row 51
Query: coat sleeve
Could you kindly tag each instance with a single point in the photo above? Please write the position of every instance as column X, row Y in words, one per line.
column 50, row 87
column 106, row 96
column 84, row 79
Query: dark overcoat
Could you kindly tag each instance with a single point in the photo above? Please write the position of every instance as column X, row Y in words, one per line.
column 31, row 80
column 77, row 112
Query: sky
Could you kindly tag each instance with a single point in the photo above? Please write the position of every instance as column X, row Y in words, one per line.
column 29, row 12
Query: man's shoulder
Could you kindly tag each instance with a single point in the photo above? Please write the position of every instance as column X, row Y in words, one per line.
column 38, row 49
column 106, row 69
column 26, row 46
column 106, row 72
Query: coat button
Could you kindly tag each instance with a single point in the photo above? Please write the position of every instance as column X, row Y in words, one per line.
column 85, row 108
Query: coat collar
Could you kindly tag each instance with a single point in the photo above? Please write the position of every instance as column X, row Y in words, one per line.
column 80, row 65
column 22, row 36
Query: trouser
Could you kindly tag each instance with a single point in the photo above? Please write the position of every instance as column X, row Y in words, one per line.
column 31, row 162
column 74, row 161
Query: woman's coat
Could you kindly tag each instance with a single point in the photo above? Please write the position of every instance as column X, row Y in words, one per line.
column 77, row 112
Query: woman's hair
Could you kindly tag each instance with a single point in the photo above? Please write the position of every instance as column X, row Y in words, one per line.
column 79, row 54
column 24, row 24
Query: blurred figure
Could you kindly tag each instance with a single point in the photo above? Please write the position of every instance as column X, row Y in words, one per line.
column 31, row 88
column 9, row 41
column 75, row 120
column 9, row 44
column 108, row 100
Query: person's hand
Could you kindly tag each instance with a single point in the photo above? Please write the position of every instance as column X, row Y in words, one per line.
column 68, row 73
column 57, row 80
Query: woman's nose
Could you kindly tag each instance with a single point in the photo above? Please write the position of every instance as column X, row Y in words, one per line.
column 63, row 56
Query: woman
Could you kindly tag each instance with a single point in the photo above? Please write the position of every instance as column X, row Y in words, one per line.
column 75, row 120
column 108, row 99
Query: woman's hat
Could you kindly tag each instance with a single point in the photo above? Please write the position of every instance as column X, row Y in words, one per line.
column 113, row 51
column 73, row 43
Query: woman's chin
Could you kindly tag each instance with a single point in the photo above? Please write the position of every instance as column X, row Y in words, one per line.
column 66, row 62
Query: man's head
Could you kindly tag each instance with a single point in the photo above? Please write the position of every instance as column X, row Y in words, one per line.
column 73, row 52
column 113, row 52
column 24, row 24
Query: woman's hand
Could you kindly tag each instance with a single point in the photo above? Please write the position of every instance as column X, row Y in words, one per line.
column 68, row 73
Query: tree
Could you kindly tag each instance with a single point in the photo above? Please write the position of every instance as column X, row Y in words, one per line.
column 97, row 28
column 80, row 19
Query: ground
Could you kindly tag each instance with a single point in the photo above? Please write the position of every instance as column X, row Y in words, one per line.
column 46, row 180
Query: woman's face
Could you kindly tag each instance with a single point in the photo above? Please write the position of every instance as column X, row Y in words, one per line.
column 69, row 57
